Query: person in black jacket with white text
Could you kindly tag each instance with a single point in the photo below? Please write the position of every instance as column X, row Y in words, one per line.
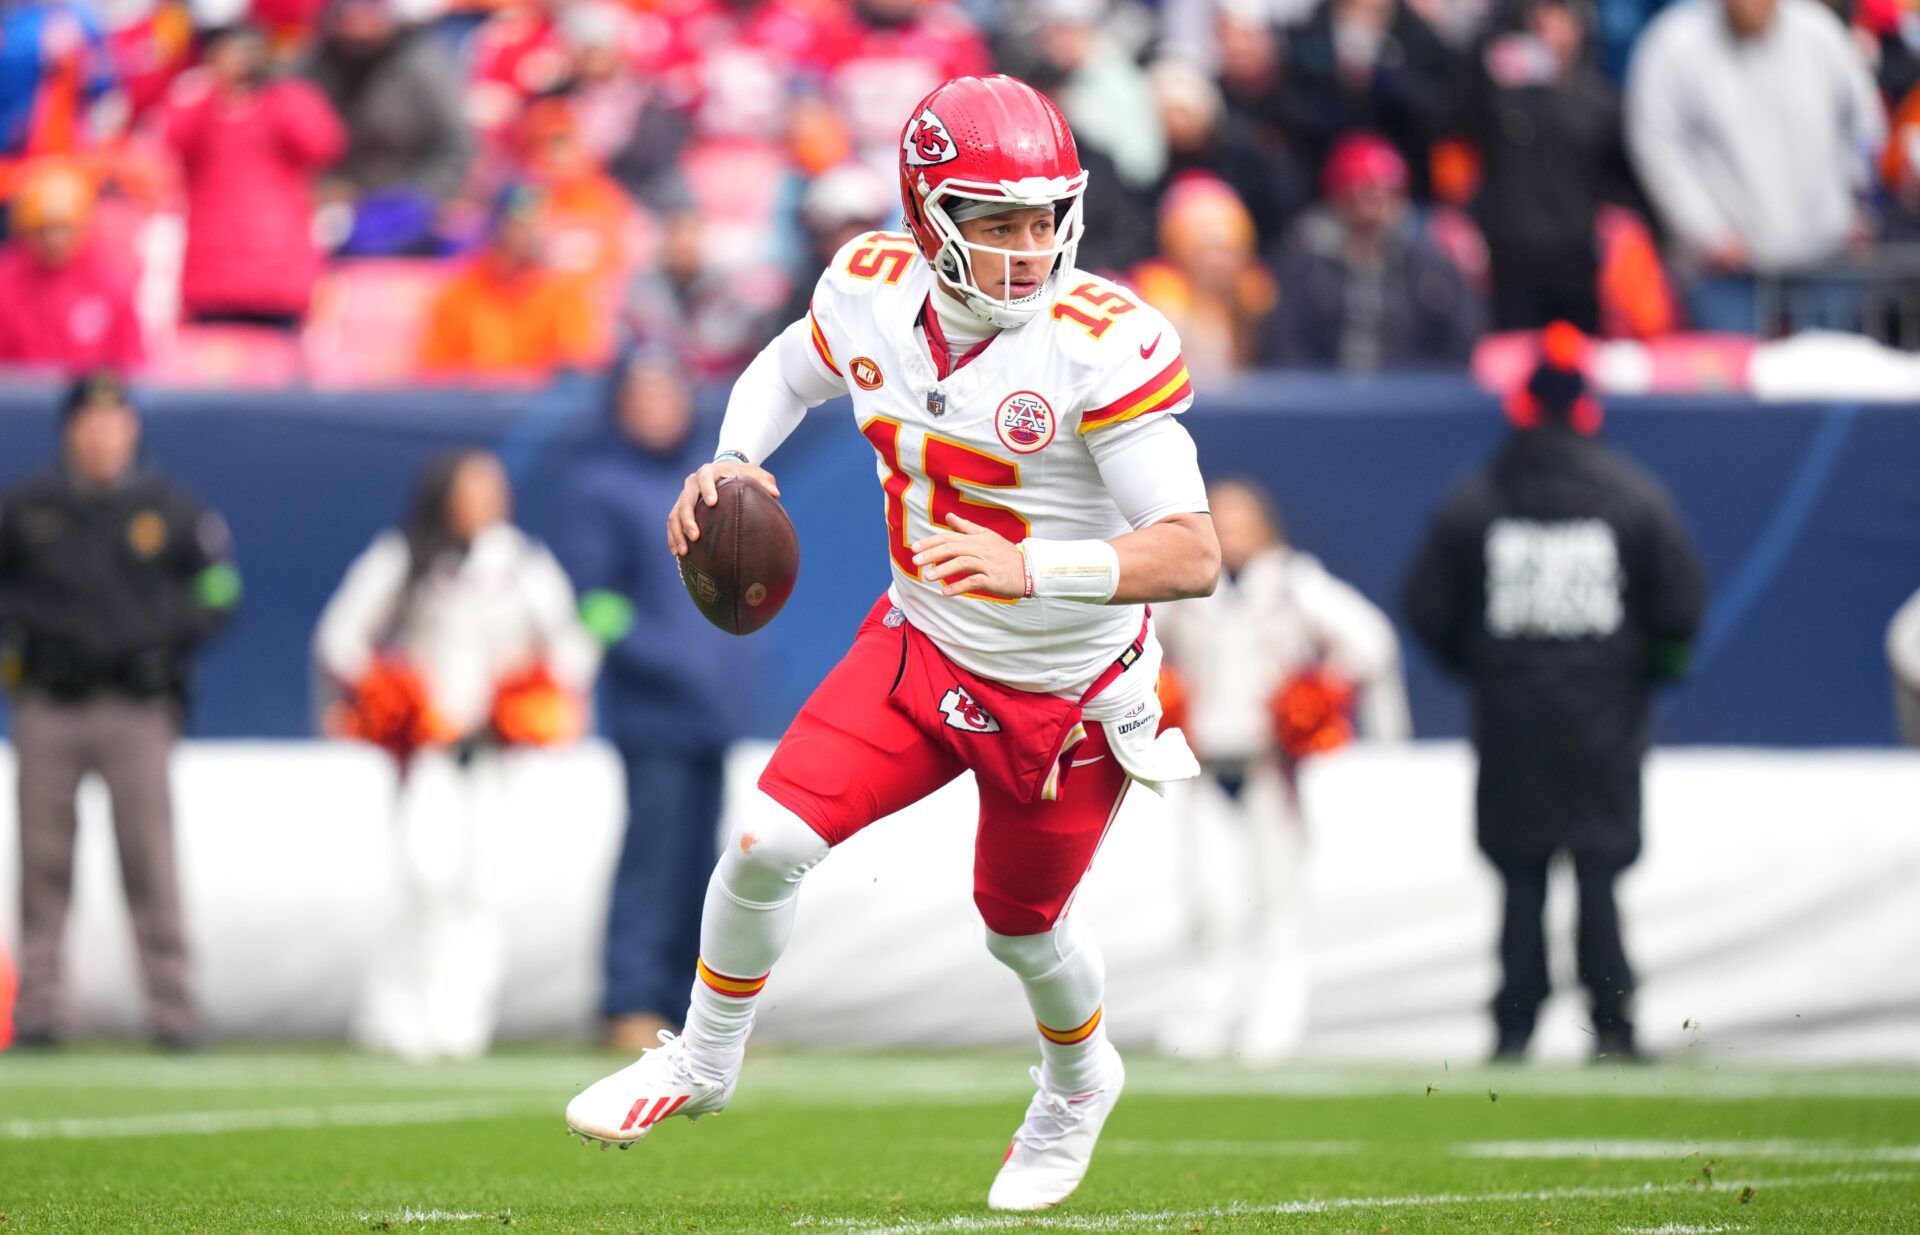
column 1560, row 581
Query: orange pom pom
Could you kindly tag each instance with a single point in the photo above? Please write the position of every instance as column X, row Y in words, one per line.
column 389, row 708
column 531, row 709
column 1312, row 713
column 1172, row 689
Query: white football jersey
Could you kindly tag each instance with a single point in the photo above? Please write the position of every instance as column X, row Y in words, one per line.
column 1012, row 440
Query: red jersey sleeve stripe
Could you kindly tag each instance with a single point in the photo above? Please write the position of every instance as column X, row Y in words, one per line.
column 1177, row 365
column 820, row 343
column 1166, row 390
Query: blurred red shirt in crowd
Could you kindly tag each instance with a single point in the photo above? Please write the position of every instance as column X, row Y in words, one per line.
column 736, row 66
column 61, row 306
column 250, row 150
column 517, row 55
column 883, row 56
column 151, row 51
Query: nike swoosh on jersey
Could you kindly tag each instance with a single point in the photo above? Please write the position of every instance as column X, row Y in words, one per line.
column 1147, row 349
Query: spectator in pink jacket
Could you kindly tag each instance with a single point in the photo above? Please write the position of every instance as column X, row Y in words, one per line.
column 61, row 307
column 251, row 147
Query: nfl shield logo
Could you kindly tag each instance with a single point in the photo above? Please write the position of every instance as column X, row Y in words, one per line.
column 937, row 402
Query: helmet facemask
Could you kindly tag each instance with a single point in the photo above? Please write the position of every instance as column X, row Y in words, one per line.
column 953, row 261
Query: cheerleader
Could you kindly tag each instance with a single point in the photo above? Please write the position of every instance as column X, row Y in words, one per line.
column 1270, row 670
column 451, row 641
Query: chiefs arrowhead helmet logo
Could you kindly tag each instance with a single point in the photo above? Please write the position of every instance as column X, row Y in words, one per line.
column 964, row 714
column 926, row 142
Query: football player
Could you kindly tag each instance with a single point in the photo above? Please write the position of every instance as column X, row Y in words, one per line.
column 1038, row 494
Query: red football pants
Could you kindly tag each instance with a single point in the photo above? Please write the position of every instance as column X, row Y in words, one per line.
column 850, row 757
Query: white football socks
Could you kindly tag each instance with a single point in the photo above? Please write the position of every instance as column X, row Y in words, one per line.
column 751, row 903
column 1066, row 979
column 748, row 919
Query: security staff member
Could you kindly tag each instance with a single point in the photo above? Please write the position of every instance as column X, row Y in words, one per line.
column 1562, row 584
column 110, row 576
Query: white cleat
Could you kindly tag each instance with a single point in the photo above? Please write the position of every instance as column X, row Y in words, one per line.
column 663, row 1082
column 1049, row 1154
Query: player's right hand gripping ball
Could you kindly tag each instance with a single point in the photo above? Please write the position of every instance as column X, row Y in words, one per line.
column 743, row 567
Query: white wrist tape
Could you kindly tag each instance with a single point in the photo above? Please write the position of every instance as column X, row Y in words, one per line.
column 1084, row 570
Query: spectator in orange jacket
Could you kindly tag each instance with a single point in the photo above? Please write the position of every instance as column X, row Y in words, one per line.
column 60, row 305
column 250, row 149
column 506, row 314
column 591, row 222
column 1209, row 279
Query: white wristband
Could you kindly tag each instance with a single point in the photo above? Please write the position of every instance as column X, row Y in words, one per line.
column 1083, row 570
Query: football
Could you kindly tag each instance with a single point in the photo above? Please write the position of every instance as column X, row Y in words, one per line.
column 743, row 567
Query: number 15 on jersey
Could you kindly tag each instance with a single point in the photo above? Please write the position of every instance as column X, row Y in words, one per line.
column 945, row 465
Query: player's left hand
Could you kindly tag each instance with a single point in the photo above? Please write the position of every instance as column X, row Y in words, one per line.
column 971, row 558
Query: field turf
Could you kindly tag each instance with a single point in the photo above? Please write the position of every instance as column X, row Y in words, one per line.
column 99, row 1141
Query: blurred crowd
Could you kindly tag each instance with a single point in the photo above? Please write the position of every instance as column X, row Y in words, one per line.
column 365, row 192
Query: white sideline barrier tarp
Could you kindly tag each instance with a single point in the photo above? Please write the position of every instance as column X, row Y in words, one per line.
column 1775, row 915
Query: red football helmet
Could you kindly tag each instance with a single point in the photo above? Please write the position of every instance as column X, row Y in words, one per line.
column 989, row 139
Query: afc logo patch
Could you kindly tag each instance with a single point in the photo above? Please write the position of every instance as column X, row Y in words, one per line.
column 865, row 373
column 964, row 714
column 1024, row 422
column 926, row 141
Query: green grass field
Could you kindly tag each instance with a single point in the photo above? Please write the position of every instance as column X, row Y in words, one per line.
column 271, row 1141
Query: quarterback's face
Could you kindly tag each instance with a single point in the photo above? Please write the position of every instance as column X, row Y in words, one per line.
column 1026, row 230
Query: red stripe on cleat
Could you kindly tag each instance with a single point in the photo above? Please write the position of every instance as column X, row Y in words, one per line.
column 677, row 1104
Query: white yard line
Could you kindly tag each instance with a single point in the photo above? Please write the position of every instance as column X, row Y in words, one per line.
column 1196, row 1149
column 1239, row 1149
column 1153, row 1219
column 1539, row 1150
column 254, row 1119
column 1682, row 1228
column 409, row 1217
column 1649, row 1150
